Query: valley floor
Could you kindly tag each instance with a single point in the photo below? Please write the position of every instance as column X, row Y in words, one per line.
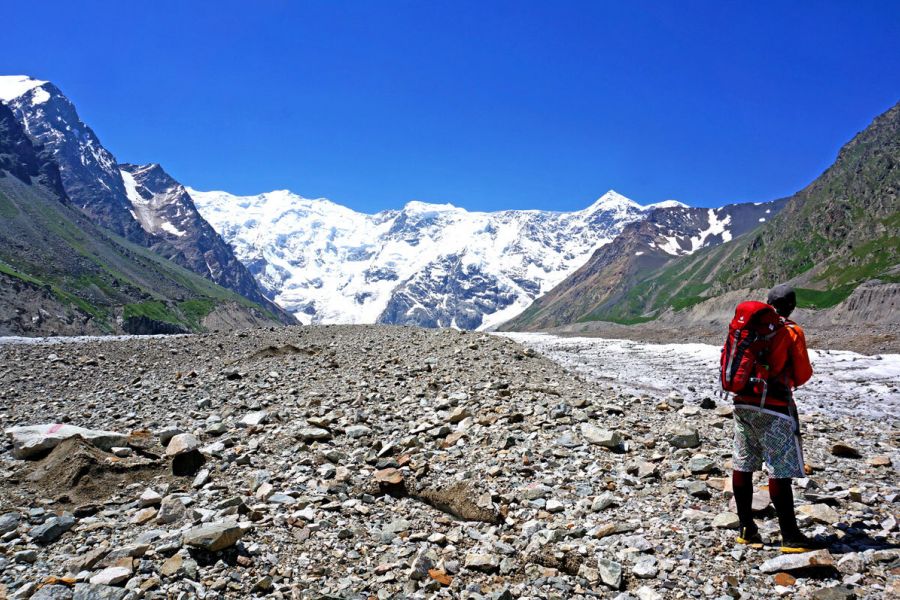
column 376, row 461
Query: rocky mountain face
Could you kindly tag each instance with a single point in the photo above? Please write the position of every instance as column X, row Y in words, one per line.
column 165, row 210
column 612, row 271
column 62, row 274
column 94, row 182
column 429, row 265
column 88, row 170
column 841, row 231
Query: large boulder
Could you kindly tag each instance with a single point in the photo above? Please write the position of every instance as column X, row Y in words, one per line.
column 33, row 441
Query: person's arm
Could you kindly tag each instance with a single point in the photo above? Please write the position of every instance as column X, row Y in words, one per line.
column 802, row 369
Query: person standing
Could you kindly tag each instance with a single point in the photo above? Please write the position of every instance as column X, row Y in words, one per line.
column 768, row 429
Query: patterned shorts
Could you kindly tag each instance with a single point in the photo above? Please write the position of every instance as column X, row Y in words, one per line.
column 761, row 435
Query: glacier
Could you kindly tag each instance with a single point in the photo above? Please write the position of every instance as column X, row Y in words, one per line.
column 433, row 265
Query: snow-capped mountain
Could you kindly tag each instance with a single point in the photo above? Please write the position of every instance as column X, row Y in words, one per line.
column 606, row 282
column 88, row 170
column 152, row 210
column 164, row 209
column 433, row 265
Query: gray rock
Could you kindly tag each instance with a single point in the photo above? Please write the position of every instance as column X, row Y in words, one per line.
column 111, row 576
column 701, row 464
column 601, row 437
column 726, row 520
column 645, row 567
column 684, row 437
column 603, row 501
column 610, row 573
column 421, row 565
column 182, row 444
column 820, row 513
column 171, row 510
column 314, row 434
column 52, row 529
column 357, row 431
column 698, row 489
column 52, row 592
column 214, row 537
column 487, row 563
column 9, row 522
column 254, row 419
column 791, row 562
column 90, row 591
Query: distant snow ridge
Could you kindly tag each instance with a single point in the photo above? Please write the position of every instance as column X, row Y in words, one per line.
column 432, row 265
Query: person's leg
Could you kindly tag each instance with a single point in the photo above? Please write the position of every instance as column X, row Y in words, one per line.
column 746, row 459
column 742, row 486
column 783, row 499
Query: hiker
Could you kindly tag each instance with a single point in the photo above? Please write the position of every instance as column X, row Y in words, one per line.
column 766, row 424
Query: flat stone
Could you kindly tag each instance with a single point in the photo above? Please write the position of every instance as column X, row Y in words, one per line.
column 701, row 464
column 149, row 498
column 90, row 591
column 357, row 431
column 171, row 510
column 645, row 567
column 214, row 536
column 314, row 434
column 52, row 529
column 487, row 563
column 684, row 437
column 880, row 461
column 838, row 592
column 421, row 564
column 32, row 440
column 458, row 414
column 601, row 437
column 111, row 576
column 726, row 520
column 533, row 491
column 820, row 513
column 603, row 501
column 792, row 562
column 51, row 592
column 554, row 506
column 390, row 475
column 698, row 489
column 254, row 419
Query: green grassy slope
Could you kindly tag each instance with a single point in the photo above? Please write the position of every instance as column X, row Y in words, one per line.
column 46, row 243
column 839, row 232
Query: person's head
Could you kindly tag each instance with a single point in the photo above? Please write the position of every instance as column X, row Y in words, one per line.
column 783, row 298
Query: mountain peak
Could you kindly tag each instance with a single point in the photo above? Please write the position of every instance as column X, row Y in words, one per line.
column 667, row 204
column 14, row 86
column 612, row 200
column 417, row 206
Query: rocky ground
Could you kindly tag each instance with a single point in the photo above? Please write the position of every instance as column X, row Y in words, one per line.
column 381, row 462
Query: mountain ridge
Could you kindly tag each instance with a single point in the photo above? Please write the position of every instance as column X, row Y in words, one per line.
column 63, row 274
column 93, row 182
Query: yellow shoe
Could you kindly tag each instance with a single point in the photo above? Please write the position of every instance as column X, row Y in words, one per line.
column 798, row 543
column 750, row 537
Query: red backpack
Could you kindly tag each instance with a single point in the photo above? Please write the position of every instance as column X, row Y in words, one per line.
column 744, row 368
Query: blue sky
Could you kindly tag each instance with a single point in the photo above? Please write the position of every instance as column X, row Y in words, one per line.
column 487, row 105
